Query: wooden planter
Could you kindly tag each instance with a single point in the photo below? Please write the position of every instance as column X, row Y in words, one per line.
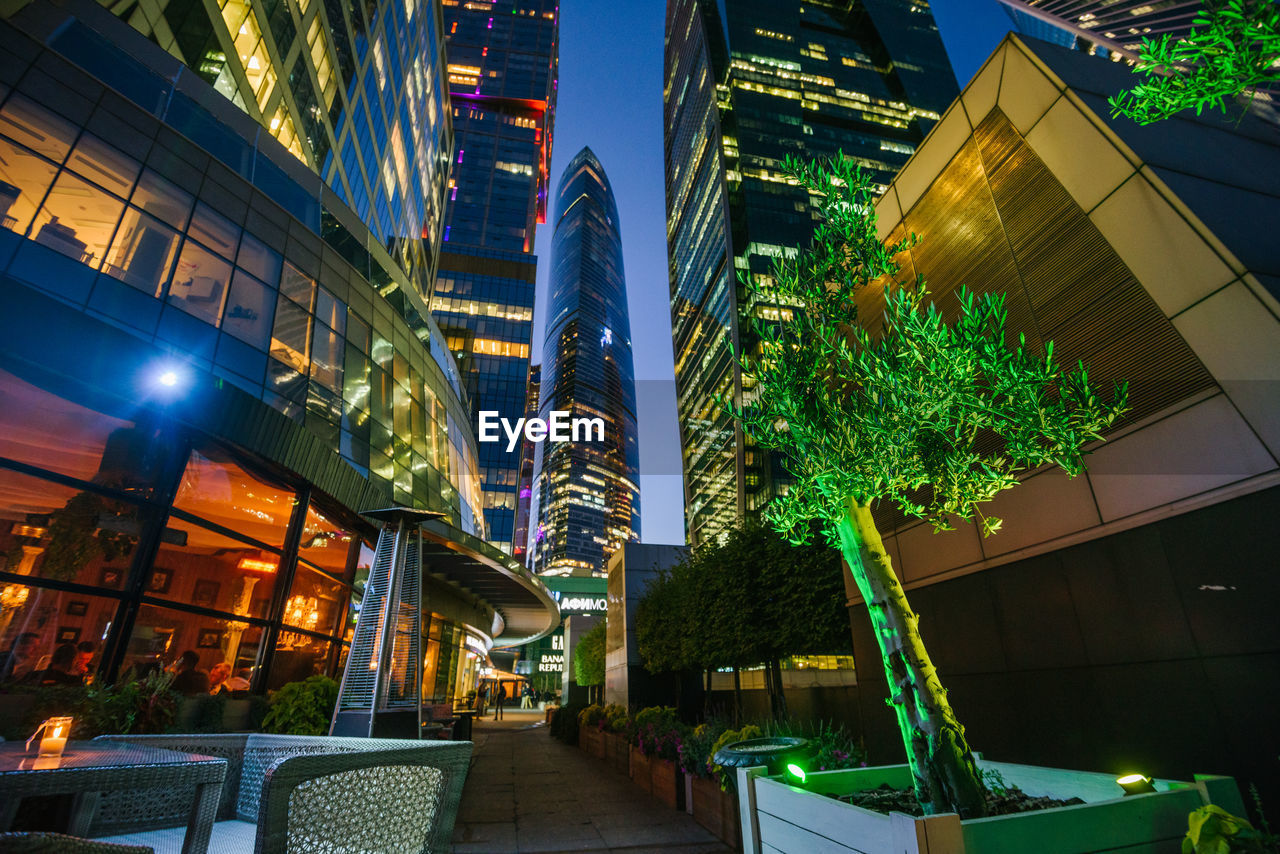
column 641, row 774
column 778, row 816
column 668, row 782
column 617, row 752
column 717, row 811
column 591, row 739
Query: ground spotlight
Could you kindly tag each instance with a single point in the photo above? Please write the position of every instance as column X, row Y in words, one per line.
column 796, row 771
column 1135, row 784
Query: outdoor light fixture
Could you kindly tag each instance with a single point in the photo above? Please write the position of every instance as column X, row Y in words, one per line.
column 796, row 771
column 53, row 736
column 168, row 378
column 1135, row 784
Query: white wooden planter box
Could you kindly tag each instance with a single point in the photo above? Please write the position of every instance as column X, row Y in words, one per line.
column 779, row 817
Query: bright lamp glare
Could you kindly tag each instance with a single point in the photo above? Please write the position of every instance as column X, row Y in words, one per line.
column 796, row 771
column 1135, row 784
column 168, row 378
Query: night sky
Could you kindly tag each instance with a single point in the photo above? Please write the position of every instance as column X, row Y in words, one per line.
column 610, row 97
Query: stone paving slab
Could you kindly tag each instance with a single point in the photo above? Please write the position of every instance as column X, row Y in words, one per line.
column 527, row 793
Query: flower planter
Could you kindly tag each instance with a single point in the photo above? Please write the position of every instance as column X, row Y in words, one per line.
column 591, row 739
column 782, row 817
column 617, row 752
column 668, row 782
column 717, row 811
column 641, row 774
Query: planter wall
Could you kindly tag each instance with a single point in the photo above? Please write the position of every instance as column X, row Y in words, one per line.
column 617, row 752
column 717, row 811
column 668, row 783
column 786, row 818
column 591, row 739
column 641, row 773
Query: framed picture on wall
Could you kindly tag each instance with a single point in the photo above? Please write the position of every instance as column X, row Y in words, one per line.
column 111, row 576
column 160, row 580
column 209, row 639
column 77, row 609
column 206, row 593
column 68, row 634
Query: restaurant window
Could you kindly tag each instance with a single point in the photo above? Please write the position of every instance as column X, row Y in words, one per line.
column 297, row 657
column 77, row 219
column 24, row 179
column 218, row 489
column 35, row 127
column 163, row 200
column 52, row 531
column 203, row 567
column 161, row 635
column 142, row 252
column 316, row 602
column 325, row 543
column 35, row 621
column 104, row 165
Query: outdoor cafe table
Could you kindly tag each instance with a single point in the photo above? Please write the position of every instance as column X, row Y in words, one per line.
column 88, row 768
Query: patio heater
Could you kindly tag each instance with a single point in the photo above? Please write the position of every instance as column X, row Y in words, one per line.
column 381, row 691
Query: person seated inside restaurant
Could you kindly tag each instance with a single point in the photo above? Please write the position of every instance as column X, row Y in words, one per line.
column 59, row 670
column 85, row 651
column 190, row 681
column 239, row 684
column 20, row 659
column 218, row 678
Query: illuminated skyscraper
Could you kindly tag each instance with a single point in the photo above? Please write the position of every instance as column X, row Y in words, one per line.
column 502, row 81
column 588, row 498
column 747, row 83
column 524, row 483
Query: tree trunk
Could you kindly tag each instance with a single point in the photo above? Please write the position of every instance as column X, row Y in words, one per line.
column 946, row 776
column 780, row 696
column 737, row 696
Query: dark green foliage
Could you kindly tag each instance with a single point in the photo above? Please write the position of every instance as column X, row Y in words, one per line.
column 752, row 598
column 837, row 747
column 78, row 534
column 1213, row 830
column 302, row 708
column 656, row 731
column 564, row 723
column 128, row 707
column 1233, row 47
column 588, row 656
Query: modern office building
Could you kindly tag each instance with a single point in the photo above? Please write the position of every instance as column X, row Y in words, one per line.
column 502, row 64
column 1117, row 26
column 749, row 82
column 210, row 364
column 1129, row 611
column 588, row 494
column 524, row 482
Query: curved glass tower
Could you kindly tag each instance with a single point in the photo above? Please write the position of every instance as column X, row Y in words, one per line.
column 587, row 490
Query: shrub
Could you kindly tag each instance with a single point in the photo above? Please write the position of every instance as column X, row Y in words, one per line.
column 592, row 716
column 658, row 732
column 302, row 708
column 837, row 747
column 564, row 723
column 726, row 776
column 695, row 749
column 617, row 720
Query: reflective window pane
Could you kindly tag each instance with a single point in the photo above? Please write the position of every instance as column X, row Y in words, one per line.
column 325, row 543
column 104, row 165
column 42, row 429
column 316, row 602
column 35, row 622
column 249, row 311
column 215, row 487
column 259, row 260
column 52, row 531
column 326, row 358
column 24, row 179
column 161, row 635
column 202, row 567
column 214, row 230
column 77, row 219
column 297, row 657
column 291, row 335
column 297, row 286
column 142, row 252
column 35, row 127
column 330, row 311
column 163, row 199
column 200, row 282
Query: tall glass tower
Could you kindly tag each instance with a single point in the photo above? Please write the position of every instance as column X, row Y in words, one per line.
column 588, row 498
column 747, row 83
column 502, row 64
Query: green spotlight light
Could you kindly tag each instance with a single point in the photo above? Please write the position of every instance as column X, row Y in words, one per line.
column 796, row 771
column 1135, row 784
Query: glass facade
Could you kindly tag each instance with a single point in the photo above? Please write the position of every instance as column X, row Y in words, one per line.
column 749, row 82
column 503, row 66
column 355, row 91
column 588, row 497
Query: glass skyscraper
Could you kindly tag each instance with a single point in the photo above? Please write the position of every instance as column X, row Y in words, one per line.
column 747, row 83
column 502, row 63
column 588, row 498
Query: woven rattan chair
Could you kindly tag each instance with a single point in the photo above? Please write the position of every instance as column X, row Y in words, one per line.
column 60, row 843
column 304, row 794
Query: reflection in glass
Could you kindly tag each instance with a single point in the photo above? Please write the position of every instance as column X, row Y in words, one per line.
column 258, row 259
column 297, row 286
column 290, row 339
column 214, row 230
column 297, row 656
column 326, row 358
column 35, row 127
column 216, row 488
column 142, row 252
column 161, row 635
column 104, row 165
column 163, row 199
column 24, row 179
column 200, row 282
column 324, row 543
column 202, row 567
column 77, row 219
column 315, row 602
column 249, row 311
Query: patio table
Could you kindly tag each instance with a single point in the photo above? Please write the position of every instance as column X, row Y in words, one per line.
column 88, row 768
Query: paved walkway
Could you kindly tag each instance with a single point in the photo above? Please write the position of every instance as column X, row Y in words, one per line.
column 527, row 792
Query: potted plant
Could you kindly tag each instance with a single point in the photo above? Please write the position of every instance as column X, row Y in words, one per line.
column 934, row 417
column 590, row 730
column 713, row 793
column 617, row 727
column 658, row 736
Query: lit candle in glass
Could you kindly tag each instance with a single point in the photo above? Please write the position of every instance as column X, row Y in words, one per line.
column 54, row 740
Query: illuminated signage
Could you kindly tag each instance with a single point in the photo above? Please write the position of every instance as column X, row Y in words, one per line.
column 551, row 663
column 580, row 603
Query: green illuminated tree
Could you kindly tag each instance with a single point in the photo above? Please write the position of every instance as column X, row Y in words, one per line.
column 907, row 415
column 588, row 656
column 1234, row 47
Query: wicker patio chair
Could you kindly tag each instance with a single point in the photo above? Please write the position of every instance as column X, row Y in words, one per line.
column 305, row 794
column 60, row 843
